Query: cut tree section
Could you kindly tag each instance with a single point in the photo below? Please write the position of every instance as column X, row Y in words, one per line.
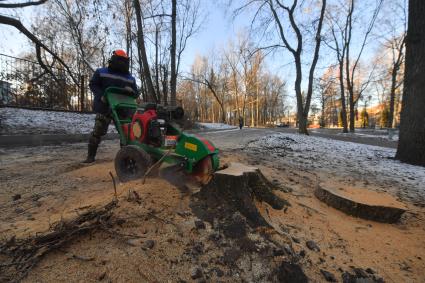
column 363, row 203
column 241, row 186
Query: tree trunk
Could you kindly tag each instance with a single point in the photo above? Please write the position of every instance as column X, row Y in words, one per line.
column 352, row 111
column 257, row 111
column 318, row 39
column 302, row 124
column 165, row 85
column 394, row 72
column 411, row 146
column 342, row 90
column 392, row 98
column 323, row 103
column 222, row 114
column 157, row 65
column 142, row 51
column 302, row 121
column 173, row 78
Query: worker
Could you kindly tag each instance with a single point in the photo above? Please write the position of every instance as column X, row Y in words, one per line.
column 115, row 75
column 240, row 123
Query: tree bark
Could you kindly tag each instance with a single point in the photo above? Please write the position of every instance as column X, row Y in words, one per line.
column 142, row 51
column 342, row 90
column 157, row 65
column 173, row 75
column 396, row 67
column 350, row 86
column 165, row 84
column 392, row 97
column 352, row 111
column 411, row 145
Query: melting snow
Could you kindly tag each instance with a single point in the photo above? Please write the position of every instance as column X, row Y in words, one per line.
column 344, row 159
column 15, row 121
column 215, row 126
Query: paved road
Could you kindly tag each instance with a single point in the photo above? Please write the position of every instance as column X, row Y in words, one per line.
column 229, row 139
column 225, row 139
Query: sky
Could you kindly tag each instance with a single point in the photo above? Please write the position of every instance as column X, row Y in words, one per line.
column 217, row 29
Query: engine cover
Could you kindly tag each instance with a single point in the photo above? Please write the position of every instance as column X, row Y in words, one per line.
column 140, row 128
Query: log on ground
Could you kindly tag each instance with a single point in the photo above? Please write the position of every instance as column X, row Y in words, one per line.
column 362, row 203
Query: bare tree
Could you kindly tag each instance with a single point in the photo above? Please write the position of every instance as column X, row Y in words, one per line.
column 38, row 43
column 302, row 107
column 339, row 33
column 326, row 91
column 352, row 65
column 22, row 4
column 173, row 76
column 278, row 12
column 394, row 43
column 342, row 23
column 411, row 145
column 212, row 84
column 143, row 58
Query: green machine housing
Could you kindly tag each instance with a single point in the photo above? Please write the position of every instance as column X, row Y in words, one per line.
column 149, row 133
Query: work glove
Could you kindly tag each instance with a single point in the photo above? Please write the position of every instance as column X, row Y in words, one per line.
column 129, row 91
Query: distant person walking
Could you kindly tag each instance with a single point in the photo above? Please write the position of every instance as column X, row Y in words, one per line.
column 240, row 123
column 115, row 75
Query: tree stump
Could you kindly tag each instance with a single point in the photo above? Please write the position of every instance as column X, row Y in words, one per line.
column 366, row 204
column 240, row 186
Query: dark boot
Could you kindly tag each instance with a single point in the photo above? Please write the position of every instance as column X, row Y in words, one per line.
column 92, row 148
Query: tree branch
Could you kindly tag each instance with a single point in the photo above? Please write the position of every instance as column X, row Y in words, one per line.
column 18, row 25
column 21, row 5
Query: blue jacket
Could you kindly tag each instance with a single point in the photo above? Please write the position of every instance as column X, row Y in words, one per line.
column 104, row 78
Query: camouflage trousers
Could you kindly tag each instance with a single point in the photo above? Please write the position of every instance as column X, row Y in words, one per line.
column 101, row 125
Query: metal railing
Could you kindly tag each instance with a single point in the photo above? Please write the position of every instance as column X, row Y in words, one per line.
column 24, row 83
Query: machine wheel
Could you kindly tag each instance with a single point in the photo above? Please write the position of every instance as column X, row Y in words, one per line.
column 203, row 170
column 131, row 162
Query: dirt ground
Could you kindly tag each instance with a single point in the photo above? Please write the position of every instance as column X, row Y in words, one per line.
column 162, row 239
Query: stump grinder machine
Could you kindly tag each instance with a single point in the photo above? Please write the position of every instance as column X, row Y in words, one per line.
column 148, row 134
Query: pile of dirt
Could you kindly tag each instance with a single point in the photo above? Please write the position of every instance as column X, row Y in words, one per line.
column 158, row 232
column 252, row 248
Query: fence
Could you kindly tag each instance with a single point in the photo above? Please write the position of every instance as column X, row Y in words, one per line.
column 24, row 83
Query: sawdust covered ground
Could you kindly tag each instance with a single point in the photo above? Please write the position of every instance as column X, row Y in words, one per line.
column 394, row 251
column 158, row 241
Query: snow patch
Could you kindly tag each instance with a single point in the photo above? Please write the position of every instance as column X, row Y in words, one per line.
column 214, row 126
column 344, row 159
column 387, row 137
column 16, row 121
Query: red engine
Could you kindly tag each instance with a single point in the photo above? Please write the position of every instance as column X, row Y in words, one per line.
column 146, row 128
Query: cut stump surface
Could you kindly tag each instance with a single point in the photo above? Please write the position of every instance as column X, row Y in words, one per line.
column 362, row 203
column 241, row 186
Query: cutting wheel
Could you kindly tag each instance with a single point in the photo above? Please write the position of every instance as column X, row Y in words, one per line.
column 203, row 170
